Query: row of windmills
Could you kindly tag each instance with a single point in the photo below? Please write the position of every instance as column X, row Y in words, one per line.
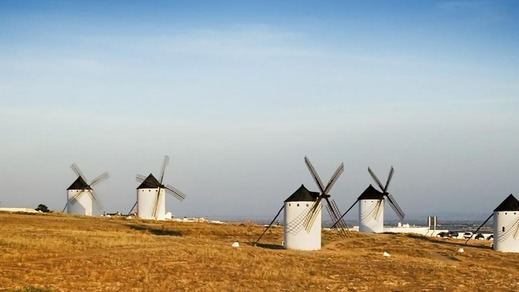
column 151, row 194
column 302, row 209
column 302, row 214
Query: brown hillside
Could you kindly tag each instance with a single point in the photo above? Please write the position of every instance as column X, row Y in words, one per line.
column 79, row 253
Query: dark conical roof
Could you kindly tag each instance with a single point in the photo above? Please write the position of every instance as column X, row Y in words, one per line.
column 79, row 184
column 150, row 183
column 370, row 193
column 509, row 204
column 302, row 194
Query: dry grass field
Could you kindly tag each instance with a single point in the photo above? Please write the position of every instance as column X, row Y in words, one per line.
column 64, row 253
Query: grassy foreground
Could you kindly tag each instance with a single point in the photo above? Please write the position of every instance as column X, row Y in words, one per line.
column 57, row 252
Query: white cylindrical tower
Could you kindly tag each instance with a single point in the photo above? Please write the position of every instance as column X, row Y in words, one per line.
column 297, row 206
column 371, row 211
column 147, row 202
column 506, row 225
column 79, row 198
column 79, row 202
column 371, row 216
column 150, row 203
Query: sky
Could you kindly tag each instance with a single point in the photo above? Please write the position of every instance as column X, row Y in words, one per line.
column 238, row 92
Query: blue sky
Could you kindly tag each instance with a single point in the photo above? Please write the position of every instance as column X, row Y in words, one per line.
column 237, row 92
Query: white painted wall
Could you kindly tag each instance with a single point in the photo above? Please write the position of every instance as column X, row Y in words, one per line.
column 371, row 217
column 146, row 200
column 504, row 240
column 295, row 234
column 82, row 204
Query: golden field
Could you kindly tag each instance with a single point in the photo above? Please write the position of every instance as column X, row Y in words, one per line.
column 66, row 253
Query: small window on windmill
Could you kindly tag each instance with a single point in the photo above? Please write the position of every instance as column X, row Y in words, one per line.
column 298, row 205
column 506, row 213
column 289, row 204
column 307, row 205
column 503, row 229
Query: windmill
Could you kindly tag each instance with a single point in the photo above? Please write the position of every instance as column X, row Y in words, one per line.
column 371, row 205
column 302, row 215
column 80, row 194
column 506, row 225
column 151, row 195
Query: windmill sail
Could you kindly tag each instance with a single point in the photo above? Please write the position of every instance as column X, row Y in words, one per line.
column 99, row 178
column 391, row 172
column 334, row 178
column 175, row 192
column 375, row 178
column 394, row 205
column 314, row 174
column 78, row 171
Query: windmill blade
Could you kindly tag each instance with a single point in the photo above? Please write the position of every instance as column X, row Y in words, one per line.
column 516, row 229
column 78, row 171
column 394, row 205
column 334, row 216
column 331, row 211
column 379, row 205
column 100, row 178
column 312, row 219
column 175, row 192
column 390, row 175
column 314, row 174
column 163, row 170
column 140, row 178
column 312, row 214
column 375, row 178
column 270, row 224
column 480, row 226
column 331, row 214
column 96, row 201
column 157, row 201
column 334, row 178
column 341, row 221
column 342, row 216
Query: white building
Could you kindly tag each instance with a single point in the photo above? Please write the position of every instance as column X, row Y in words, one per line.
column 298, row 207
column 79, row 198
column 151, row 199
column 506, row 225
column 371, row 211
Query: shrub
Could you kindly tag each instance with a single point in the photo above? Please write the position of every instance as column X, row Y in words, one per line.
column 43, row 208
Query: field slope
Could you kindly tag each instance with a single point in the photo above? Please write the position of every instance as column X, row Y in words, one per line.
column 66, row 253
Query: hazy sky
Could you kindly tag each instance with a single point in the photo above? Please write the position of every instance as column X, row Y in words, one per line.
column 237, row 92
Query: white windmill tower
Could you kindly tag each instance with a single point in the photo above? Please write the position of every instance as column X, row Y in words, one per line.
column 80, row 194
column 371, row 205
column 506, row 225
column 303, row 213
column 151, row 195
